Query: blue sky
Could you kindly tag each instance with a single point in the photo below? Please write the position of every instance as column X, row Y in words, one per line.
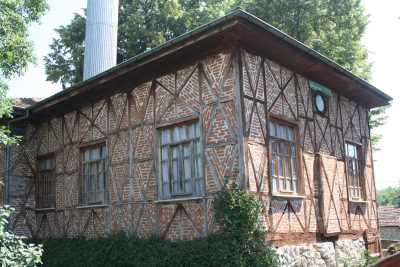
column 382, row 40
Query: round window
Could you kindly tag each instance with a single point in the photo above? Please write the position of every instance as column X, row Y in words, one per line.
column 320, row 104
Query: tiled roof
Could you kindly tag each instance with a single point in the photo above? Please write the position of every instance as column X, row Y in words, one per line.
column 24, row 102
column 389, row 216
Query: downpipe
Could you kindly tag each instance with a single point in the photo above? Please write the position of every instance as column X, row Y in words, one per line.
column 8, row 157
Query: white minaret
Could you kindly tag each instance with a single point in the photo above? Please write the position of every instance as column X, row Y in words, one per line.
column 101, row 36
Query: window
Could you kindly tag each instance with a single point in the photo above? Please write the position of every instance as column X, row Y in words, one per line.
column 320, row 103
column 353, row 164
column 284, row 163
column 45, row 186
column 180, row 161
column 93, row 171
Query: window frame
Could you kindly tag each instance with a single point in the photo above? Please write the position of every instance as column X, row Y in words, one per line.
column 39, row 199
column 295, row 126
column 193, row 142
column 324, row 113
column 83, row 201
column 361, row 177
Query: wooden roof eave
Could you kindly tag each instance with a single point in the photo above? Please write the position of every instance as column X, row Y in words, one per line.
column 126, row 76
column 236, row 27
column 294, row 55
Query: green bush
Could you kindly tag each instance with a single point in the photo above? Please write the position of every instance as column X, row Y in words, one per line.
column 370, row 259
column 239, row 214
column 14, row 250
column 240, row 242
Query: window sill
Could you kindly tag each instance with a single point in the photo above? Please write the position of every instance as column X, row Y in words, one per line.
column 45, row 209
column 292, row 196
column 178, row 199
column 358, row 201
column 93, row 206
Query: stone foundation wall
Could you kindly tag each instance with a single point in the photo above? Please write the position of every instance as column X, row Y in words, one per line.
column 330, row 254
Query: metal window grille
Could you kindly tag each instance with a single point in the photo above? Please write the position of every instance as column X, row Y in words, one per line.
column 45, row 183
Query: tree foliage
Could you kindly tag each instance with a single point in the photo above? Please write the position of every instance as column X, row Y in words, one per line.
column 239, row 214
column 14, row 250
column 389, row 196
column 142, row 25
column 15, row 48
column 376, row 117
column 333, row 28
column 16, row 52
column 5, row 112
column 65, row 61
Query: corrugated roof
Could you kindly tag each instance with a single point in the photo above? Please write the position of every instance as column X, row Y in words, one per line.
column 389, row 216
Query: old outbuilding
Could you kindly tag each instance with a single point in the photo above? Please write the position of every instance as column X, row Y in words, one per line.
column 144, row 146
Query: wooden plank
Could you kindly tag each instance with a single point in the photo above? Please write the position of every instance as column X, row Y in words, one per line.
column 238, row 93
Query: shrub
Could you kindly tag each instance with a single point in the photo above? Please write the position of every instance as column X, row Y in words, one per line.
column 370, row 259
column 239, row 214
column 14, row 250
column 240, row 242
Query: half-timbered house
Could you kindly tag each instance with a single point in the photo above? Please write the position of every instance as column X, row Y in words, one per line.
column 145, row 146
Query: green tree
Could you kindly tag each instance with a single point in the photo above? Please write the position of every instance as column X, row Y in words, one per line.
column 5, row 112
column 15, row 48
column 377, row 117
column 333, row 28
column 389, row 196
column 142, row 25
column 239, row 213
column 65, row 62
column 14, row 250
column 15, row 55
